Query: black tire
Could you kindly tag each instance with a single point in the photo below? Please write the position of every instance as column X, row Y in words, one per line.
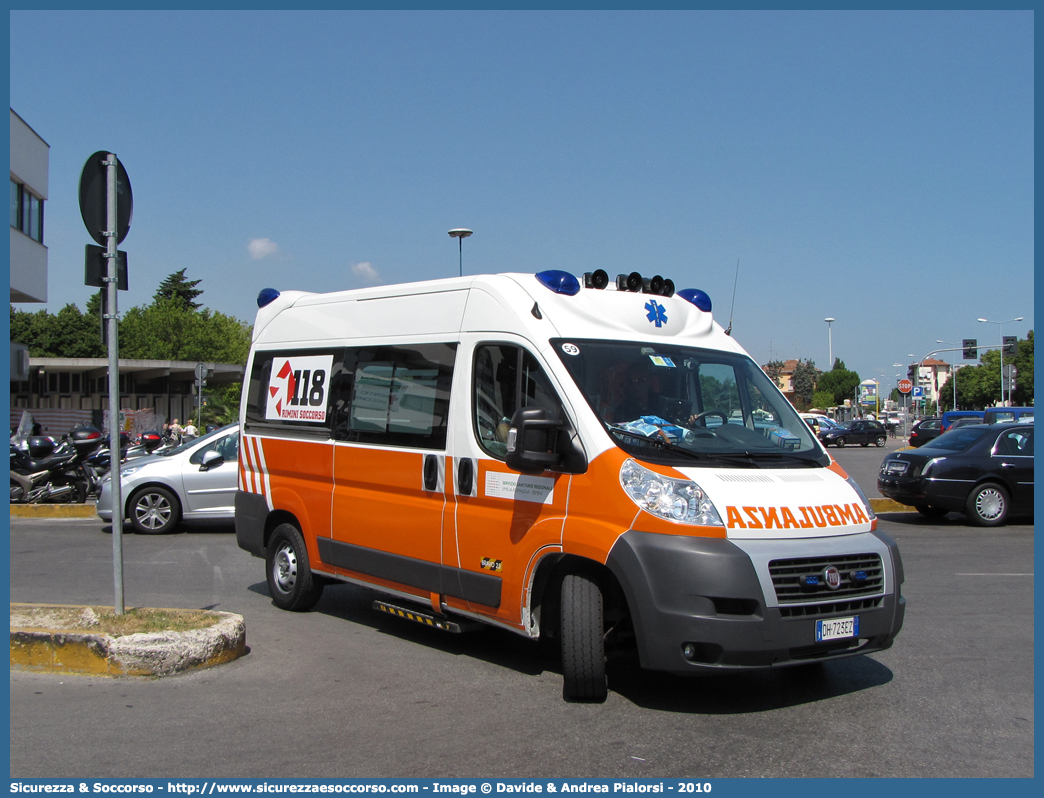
column 929, row 511
column 840, row 443
column 864, row 444
column 153, row 510
column 583, row 640
column 880, row 441
column 988, row 505
column 290, row 580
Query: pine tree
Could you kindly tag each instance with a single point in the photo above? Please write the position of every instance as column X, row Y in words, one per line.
column 182, row 291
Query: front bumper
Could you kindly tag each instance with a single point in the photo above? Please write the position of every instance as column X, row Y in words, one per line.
column 716, row 599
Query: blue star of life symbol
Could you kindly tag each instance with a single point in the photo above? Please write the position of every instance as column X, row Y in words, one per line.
column 656, row 313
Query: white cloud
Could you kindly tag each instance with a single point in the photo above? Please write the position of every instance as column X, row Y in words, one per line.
column 367, row 272
column 262, row 248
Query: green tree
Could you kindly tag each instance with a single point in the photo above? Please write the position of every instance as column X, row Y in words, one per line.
column 804, row 381
column 839, row 382
column 821, row 400
column 774, row 369
column 182, row 291
column 979, row 386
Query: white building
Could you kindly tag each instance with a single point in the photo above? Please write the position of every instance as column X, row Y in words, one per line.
column 931, row 375
column 30, row 156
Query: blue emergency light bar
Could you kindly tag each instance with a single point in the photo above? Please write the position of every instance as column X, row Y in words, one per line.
column 266, row 297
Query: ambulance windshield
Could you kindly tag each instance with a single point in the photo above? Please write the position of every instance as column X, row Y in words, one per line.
column 681, row 404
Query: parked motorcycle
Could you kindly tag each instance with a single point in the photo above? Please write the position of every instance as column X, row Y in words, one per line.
column 43, row 471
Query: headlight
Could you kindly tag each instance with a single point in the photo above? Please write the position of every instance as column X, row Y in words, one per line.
column 126, row 471
column 862, row 498
column 678, row 500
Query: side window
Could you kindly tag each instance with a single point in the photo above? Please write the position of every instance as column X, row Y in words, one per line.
column 1017, row 443
column 394, row 395
column 227, row 446
column 505, row 378
column 290, row 389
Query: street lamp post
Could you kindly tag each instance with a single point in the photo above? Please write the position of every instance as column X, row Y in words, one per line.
column 1001, row 324
column 460, row 233
column 830, row 342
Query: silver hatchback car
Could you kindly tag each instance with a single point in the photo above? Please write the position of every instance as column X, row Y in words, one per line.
column 194, row 481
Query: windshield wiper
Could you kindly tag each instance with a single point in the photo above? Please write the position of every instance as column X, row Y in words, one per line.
column 667, row 446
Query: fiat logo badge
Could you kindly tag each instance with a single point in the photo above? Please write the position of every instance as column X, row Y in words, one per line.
column 832, row 577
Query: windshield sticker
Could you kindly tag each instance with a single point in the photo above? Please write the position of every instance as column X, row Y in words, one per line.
column 571, row 349
column 661, row 360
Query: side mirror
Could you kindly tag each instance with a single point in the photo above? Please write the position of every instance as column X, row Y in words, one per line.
column 536, row 443
column 531, row 441
column 211, row 459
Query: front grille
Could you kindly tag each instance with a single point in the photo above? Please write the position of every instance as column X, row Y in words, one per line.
column 788, row 579
column 833, row 608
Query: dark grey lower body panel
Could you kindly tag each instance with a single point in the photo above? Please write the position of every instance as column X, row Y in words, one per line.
column 251, row 513
column 435, row 578
column 706, row 592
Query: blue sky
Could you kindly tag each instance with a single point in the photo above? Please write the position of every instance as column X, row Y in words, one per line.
column 875, row 167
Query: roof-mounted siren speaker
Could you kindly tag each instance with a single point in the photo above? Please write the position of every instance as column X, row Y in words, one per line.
column 652, row 285
column 596, row 279
column 668, row 287
column 629, row 282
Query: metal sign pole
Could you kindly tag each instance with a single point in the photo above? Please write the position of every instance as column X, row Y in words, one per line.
column 111, row 234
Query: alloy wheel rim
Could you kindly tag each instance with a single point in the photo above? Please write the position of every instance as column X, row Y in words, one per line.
column 989, row 504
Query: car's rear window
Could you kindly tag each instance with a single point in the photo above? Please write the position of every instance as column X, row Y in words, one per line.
column 956, row 439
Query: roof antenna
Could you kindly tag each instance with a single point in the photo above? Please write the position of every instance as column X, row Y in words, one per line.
column 729, row 330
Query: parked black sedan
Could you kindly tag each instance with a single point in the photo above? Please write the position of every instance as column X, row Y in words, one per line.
column 984, row 471
column 861, row 431
column 925, row 430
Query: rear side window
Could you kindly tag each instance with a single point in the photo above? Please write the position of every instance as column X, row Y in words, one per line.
column 394, row 395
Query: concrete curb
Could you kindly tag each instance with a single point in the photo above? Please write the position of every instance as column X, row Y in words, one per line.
column 146, row 654
column 890, row 506
column 88, row 510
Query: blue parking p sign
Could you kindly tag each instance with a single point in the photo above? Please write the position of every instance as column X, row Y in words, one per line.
column 918, row 393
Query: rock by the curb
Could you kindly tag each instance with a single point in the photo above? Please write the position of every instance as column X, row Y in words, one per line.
column 146, row 654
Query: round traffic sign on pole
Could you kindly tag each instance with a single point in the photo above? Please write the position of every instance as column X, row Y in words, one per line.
column 905, row 386
column 93, row 198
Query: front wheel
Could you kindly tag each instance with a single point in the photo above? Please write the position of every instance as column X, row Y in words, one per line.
column 154, row 510
column 290, row 580
column 880, row 441
column 583, row 640
column 987, row 505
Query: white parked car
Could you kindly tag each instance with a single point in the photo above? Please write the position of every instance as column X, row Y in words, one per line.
column 192, row 482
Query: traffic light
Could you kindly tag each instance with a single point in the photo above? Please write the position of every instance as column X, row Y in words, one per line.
column 1011, row 345
column 971, row 351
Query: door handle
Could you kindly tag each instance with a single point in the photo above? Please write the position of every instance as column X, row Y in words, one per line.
column 465, row 476
column 431, row 472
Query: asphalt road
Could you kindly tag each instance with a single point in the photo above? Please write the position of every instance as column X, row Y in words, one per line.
column 862, row 463
column 344, row 691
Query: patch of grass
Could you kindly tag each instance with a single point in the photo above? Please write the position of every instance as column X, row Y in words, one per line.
column 104, row 620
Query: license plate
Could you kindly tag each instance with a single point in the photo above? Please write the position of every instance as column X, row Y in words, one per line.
column 837, row 628
column 895, row 468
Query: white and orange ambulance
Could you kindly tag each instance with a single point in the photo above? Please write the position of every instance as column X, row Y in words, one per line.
column 573, row 458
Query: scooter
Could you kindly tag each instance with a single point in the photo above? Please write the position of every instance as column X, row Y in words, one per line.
column 45, row 472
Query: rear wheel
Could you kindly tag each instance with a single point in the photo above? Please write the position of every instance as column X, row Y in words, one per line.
column 583, row 640
column 154, row 510
column 987, row 505
column 290, row 580
column 840, row 443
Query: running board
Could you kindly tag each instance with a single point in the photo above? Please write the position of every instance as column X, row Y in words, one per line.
column 427, row 619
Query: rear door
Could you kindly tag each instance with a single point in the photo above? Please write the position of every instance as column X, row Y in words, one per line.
column 1013, row 456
